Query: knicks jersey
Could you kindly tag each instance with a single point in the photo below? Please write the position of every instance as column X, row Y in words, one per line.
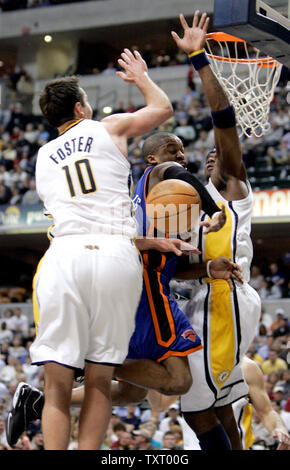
column 82, row 178
column 161, row 330
column 165, row 263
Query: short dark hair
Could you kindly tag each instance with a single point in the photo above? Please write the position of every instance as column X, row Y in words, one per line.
column 154, row 141
column 58, row 98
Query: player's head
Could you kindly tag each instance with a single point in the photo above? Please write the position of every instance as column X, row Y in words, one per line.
column 163, row 147
column 210, row 162
column 63, row 100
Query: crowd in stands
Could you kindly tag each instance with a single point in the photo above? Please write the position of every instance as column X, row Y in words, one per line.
column 267, row 158
column 140, row 427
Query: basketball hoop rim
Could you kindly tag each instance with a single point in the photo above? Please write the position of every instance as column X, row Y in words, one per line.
column 263, row 62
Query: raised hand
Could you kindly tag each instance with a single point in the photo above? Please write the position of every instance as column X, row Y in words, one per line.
column 216, row 223
column 194, row 36
column 134, row 66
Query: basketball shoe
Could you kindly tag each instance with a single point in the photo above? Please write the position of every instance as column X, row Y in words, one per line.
column 27, row 406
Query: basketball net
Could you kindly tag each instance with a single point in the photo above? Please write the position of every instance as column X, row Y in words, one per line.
column 248, row 79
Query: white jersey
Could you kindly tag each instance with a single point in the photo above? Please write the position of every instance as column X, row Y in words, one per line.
column 83, row 180
column 234, row 239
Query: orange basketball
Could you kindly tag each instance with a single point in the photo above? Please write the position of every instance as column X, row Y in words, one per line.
column 173, row 206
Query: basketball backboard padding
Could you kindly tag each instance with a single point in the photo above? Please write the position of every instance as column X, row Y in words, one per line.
column 243, row 18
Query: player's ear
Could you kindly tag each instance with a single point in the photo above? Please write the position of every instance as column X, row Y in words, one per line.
column 152, row 159
column 78, row 110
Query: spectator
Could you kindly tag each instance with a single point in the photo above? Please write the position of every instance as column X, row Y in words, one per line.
column 17, row 350
column 279, row 313
column 283, row 330
column 256, row 278
column 172, row 418
column 117, row 429
column 278, row 394
column 31, row 134
column 125, row 442
column 185, row 132
column 155, row 433
column 3, row 440
column 5, row 194
column 37, row 441
column 8, row 314
column 19, row 322
column 5, row 334
column 143, row 440
column 16, row 197
column 8, row 373
column 252, row 354
column 277, row 275
column 169, row 442
column 131, row 417
column 5, row 178
column 273, row 363
column 269, row 290
column 30, row 370
column 205, row 140
column 263, row 439
column 31, row 196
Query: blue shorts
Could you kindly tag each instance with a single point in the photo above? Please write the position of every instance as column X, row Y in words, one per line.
column 162, row 330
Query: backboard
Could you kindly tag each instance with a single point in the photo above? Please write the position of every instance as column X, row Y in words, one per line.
column 264, row 24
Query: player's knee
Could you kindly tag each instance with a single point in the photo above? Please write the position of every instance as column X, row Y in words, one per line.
column 177, row 385
column 183, row 384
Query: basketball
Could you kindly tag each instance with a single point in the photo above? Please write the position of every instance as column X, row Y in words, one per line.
column 173, row 206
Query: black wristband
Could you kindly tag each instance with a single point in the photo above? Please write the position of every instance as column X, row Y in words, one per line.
column 224, row 118
column 207, row 202
column 198, row 59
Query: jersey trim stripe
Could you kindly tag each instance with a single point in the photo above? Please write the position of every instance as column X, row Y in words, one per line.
column 159, row 308
column 73, row 124
column 179, row 353
column 35, row 302
column 205, row 341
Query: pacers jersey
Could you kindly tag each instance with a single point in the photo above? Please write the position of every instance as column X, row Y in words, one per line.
column 161, row 329
column 243, row 411
column 233, row 239
column 82, row 178
column 225, row 319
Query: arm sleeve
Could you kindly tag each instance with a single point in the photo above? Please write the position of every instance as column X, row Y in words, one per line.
column 207, row 202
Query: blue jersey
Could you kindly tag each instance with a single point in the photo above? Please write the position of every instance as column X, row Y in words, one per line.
column 162, row 330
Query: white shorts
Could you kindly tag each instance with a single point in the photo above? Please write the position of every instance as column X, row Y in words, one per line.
column 226, row 321
column 86, row 293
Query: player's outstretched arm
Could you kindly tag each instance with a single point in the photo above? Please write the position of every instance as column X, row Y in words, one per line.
column 158, row 107
column 226, row 136
column 219, row 268
column 262, row 404
column 166, row 245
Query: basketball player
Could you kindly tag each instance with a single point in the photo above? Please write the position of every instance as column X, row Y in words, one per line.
column 89, row 282
column 149, row 364
column 226, row 320
column 258, row 400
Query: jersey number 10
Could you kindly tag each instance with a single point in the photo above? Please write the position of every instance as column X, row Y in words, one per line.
column 85, row 177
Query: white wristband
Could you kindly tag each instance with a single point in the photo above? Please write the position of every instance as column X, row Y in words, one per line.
column 208, row 269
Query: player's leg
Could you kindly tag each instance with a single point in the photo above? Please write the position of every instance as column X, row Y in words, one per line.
column 208, row 429
column 227, row 418
column 96, row 408
column 56, row 411
column 170, row 377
